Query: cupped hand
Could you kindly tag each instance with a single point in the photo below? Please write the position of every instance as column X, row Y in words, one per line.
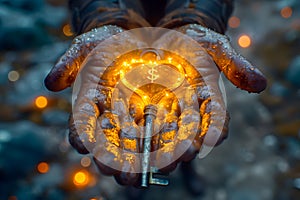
column 111, row 130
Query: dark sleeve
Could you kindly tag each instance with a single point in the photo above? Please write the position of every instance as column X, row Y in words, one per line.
column 89, row 14
column 213, row 14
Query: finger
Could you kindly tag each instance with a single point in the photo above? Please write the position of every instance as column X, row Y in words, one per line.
column 214, row 117
column 107, row 151
column 163, row 143
column 214, row 127
column 65, row 70
column 117, row 144
column 108, row 159
column 129, row 144
column 165, row 154
column 189, row 121
column 130, row 158
column 235, row 67
column 128, row 174
column 225, row 130
column 207, row 90
column 74, row 138
column 91, row 101
column 86, row 111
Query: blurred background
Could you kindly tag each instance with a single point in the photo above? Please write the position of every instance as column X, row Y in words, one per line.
column 259, row 161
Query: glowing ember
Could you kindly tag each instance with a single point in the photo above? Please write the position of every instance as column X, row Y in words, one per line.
column 286, row 12
column 81, row 178
column 234, row 22
column 41, row 102
column 43, row 167
column 67, row 30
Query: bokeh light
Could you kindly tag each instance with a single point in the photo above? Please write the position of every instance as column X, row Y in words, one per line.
column 81, row 178
column 244, row 41
column 13, row 76
column 234, row 22
column 85, row 161
column 286, row 12
column 67, row 30
column 43, row 167
column 41, row 102
column 96, row 198
column 12, row 198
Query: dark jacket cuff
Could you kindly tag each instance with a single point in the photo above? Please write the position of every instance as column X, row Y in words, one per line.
column 89, row 14
column 213, row 14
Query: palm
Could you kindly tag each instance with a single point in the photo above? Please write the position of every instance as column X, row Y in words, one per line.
column 114, row 126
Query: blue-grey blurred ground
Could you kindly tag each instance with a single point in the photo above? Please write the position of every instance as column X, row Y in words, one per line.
column 259, row 161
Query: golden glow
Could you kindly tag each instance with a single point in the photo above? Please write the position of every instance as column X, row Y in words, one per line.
column 85, row 161
column 96, row 198
column 129, row 144
column 168, row 136
column 43, row 167
column 81, row 178
column 41, row 102
column 244, row 41
column 13, row 76
column 149, row 61
column 121, row 73
column 286, row 12
column 125, row 64
column 234, row 22
column 67, row 30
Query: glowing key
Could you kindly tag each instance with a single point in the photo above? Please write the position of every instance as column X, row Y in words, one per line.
column 43, row 167
column 286, row 12
column 41, row 102
column 244, row 41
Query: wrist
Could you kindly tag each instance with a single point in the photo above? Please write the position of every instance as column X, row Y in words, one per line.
column 93, row 14
column 212, row 14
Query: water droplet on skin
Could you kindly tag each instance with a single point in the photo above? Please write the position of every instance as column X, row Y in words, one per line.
column 77, row 41
column 69, row 53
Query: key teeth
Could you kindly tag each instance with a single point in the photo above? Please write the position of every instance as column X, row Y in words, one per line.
column 157, row 181
column 153, row 180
